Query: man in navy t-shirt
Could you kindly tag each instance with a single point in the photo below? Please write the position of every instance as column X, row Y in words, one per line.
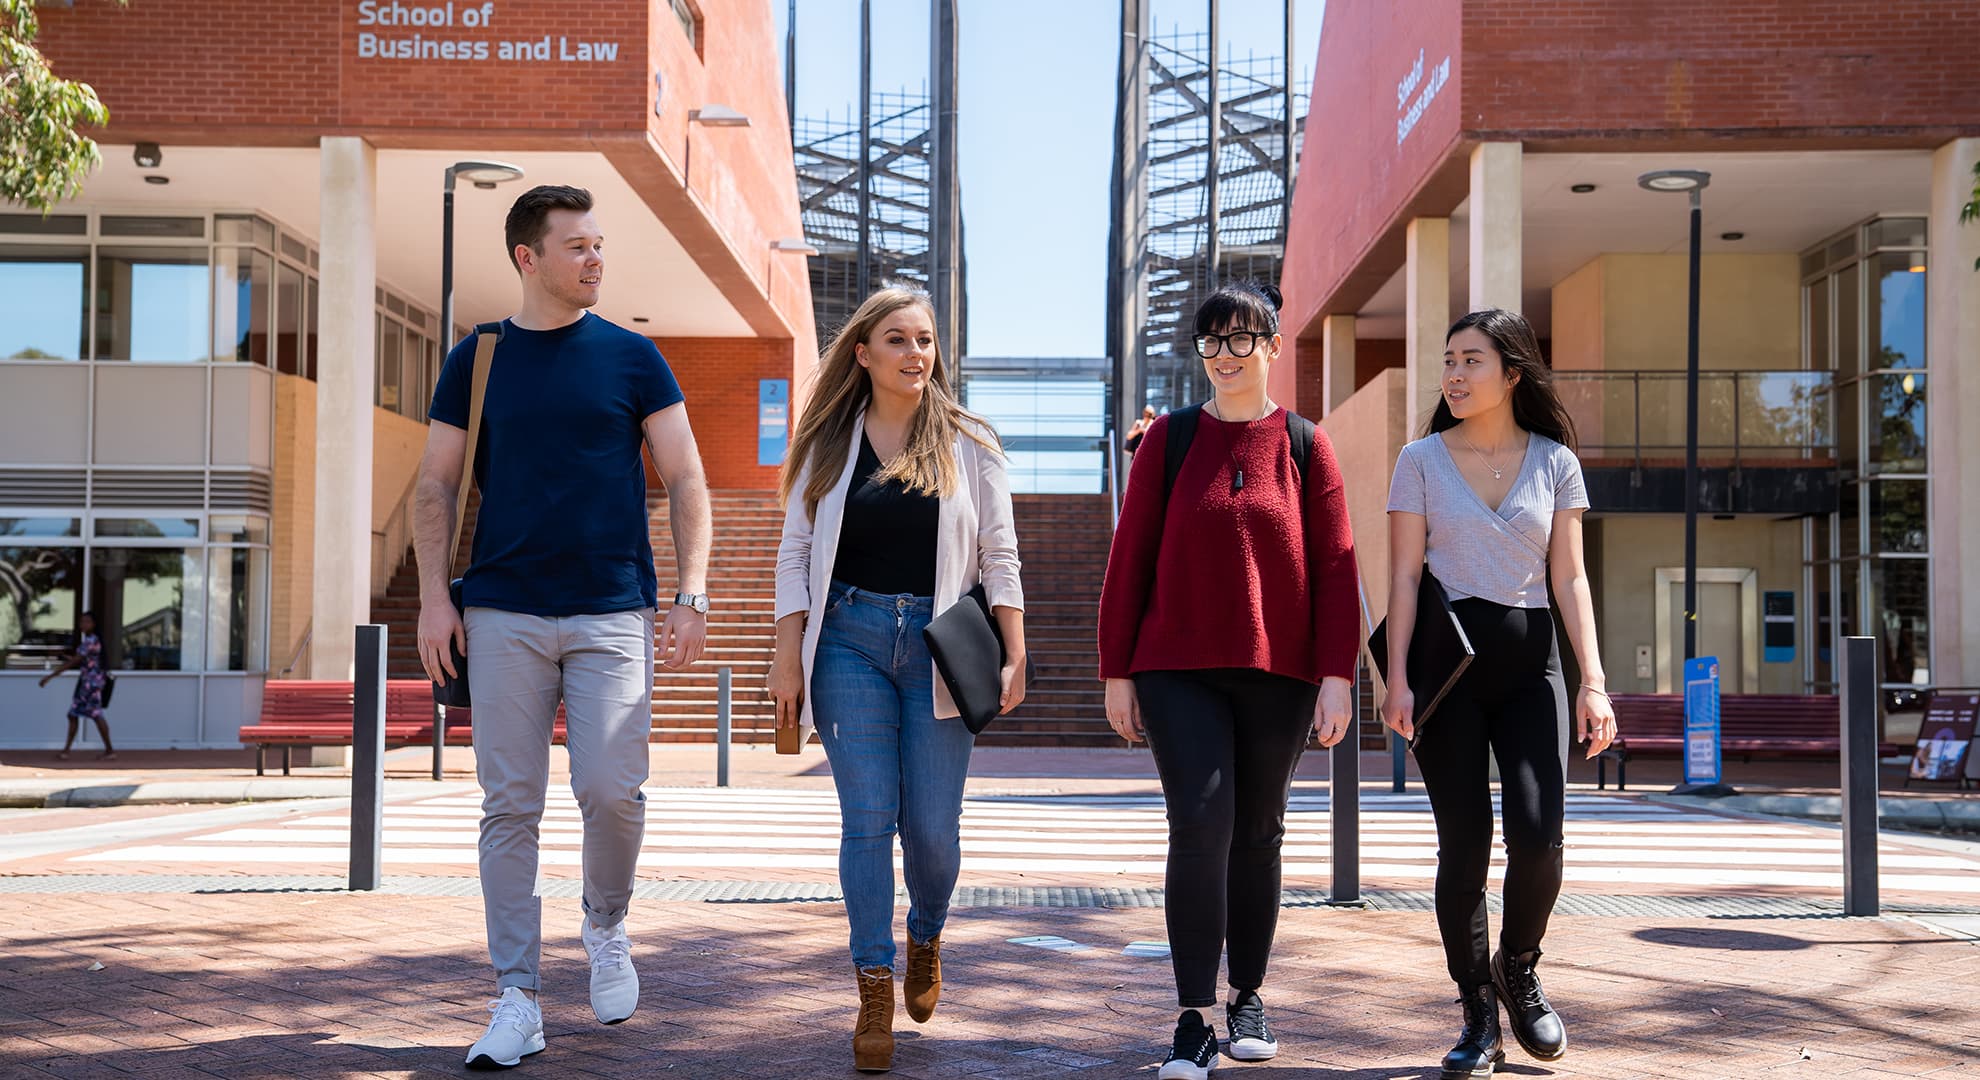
column 559, row 595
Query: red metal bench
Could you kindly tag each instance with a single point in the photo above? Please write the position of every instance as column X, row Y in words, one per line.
column 305, row 712
column 1750, row 725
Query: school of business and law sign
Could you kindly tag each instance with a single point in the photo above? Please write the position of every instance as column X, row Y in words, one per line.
column 456, row 32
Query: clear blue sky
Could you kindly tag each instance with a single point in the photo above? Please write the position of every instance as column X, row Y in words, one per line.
column 1036, row 138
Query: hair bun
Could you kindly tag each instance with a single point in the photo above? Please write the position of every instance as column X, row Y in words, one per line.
column 1271, row 293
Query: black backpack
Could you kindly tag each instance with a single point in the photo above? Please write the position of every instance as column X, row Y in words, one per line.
column 1182, row 432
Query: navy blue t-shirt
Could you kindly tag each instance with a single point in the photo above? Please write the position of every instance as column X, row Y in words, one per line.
column 563, row 526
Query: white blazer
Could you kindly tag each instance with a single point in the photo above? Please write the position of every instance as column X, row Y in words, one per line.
column 975, row 541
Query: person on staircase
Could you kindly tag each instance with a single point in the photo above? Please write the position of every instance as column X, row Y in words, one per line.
column 1228, row 634
column 560, row 595
column 1492, row 498
column 896, row 506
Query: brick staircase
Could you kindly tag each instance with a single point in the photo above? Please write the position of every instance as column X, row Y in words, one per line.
column 1063, row 538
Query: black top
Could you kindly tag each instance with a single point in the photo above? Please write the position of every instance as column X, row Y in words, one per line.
column 887, row 537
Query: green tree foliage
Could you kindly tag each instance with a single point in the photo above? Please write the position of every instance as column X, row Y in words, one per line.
column 43, row 155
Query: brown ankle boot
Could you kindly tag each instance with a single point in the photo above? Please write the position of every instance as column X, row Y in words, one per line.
column 923, row 986
column 873, row 1041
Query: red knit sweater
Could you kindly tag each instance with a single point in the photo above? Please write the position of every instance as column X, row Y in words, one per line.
column 1223, row 579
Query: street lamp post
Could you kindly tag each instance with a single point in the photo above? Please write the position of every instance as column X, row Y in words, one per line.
column 484, row 175
column 1693, row 182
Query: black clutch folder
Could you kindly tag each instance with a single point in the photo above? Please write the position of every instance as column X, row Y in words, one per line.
column 969, row 655
column 1439, row 649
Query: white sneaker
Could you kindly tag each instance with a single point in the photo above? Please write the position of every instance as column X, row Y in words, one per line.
column 515, row 1032
column 614, row 983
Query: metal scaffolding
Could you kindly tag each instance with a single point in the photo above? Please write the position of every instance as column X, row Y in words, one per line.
column 879, row 191
column 1180, row 226
column 888, row 243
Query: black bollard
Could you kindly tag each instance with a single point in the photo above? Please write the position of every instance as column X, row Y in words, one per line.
column 1344, row 807
column 724, row 724
column 368, row 759
column 1859, row 775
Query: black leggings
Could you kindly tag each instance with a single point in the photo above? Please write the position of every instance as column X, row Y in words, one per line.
column 1226, row 742
column 1511, row 700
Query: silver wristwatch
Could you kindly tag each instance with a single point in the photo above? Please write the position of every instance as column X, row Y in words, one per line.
column 696, row 602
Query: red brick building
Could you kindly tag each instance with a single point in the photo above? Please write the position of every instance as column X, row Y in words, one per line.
column 214, row 362
column 1481, row 154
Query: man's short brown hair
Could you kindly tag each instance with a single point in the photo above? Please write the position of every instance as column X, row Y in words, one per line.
column 529, row 218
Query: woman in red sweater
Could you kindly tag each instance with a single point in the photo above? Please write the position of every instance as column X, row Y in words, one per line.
column 1227, row 633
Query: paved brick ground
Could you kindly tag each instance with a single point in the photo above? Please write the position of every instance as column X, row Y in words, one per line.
column 336, row 985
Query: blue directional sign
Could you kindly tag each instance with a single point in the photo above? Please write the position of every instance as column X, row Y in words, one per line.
column 1701, row 720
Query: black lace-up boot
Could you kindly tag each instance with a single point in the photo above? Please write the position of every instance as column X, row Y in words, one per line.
column 1534, row 1022
column 1479, row 1048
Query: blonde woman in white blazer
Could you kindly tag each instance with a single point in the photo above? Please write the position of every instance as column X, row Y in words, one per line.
column 896, row 505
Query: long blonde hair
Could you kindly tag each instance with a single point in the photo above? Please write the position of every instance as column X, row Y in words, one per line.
column 841, row 390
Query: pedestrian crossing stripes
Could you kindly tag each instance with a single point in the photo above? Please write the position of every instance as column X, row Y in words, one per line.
column 1611, row 841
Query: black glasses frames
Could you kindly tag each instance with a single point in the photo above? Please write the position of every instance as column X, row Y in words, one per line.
column 1237, row 343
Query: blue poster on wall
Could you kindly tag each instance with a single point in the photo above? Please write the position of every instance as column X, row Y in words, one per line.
column 773, row 420
column 1701, row 720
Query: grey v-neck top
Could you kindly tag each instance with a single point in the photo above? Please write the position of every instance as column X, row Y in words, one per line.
column 1498, row 555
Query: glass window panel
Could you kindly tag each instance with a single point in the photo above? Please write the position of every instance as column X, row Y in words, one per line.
column 1850, row 519
column 1818, row 324
column 309, row 330
column 148, row 602
column 1849, row 321
column 178, row 228
column 151, row 304
column 150, row 528
column 1895, row 311
column 44, row 302
column 288, row 320
column 1823, row 644
column 292, row 248
column 241, row 283
column 1818, row 549
column 39, row 588
column 1851, row 573
column 1898, row 232
column 390, row 338
column 236, row 636
column 1812, row 263
column 1849, row 427
column 244, row 229
column 1897, row 416
column 40, row 225
column 395, row 304
column 417, row 317
column 40, row 528
column 1897, row 515
column 413, row 392
column 1842, row 248
column 237, row 529
column 1901, row 604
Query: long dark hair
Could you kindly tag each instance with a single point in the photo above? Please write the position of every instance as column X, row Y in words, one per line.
column 1536, row 405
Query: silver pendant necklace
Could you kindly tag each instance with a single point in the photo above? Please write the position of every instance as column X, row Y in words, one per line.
column 1498, row 471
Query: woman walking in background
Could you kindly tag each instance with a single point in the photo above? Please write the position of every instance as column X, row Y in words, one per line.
column 91, row 681
column 1228, row 634
column 896, row 505
column 1492, row 497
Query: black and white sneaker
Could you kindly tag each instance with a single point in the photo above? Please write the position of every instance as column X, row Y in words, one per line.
column 1251, row 1040
column 1194, row 1052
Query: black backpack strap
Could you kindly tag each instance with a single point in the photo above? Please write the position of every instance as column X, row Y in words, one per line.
column 1300, row 430
column 490, row 328
column 1182, row 432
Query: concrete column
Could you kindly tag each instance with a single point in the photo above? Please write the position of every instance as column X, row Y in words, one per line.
column 1427, row 275
column 1952, row 353
column 1496, row 222
column 347, row 338
column 1336, row 362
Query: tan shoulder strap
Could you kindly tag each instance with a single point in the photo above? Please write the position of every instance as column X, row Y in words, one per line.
column 484, row 353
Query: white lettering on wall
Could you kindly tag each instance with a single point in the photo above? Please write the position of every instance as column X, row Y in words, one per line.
column 1440, row 75
column 395, row 14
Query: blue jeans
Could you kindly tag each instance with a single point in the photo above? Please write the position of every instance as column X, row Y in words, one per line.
column 897, row 767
